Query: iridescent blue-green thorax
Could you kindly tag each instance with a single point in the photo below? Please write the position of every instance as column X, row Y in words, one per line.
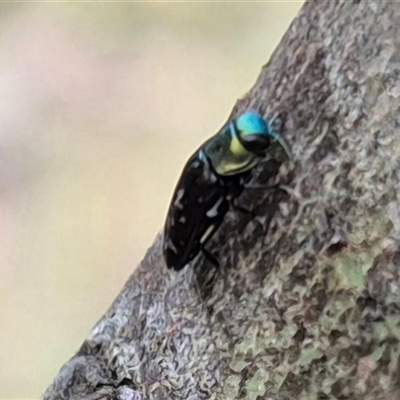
column 240, row 145
column 227, row 155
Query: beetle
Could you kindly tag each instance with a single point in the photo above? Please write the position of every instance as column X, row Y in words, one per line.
column 211, row 181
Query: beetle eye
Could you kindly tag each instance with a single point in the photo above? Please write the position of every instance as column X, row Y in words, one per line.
column 256, row 144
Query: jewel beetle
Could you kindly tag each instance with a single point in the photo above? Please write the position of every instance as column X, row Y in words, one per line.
column 211, row 181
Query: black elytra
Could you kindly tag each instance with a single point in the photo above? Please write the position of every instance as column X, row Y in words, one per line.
column 200, row 202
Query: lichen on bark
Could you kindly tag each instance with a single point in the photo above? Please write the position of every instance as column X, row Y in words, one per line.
column 306, row 304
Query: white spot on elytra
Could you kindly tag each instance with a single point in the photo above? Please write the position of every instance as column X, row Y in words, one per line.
column 213, row 212
column 182, row 219
column 172, row 246
column 207, row 234
column 213, row 178
column 179, row 195
column 170, row 222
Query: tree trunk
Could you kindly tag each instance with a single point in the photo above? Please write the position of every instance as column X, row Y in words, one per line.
column 306, row 303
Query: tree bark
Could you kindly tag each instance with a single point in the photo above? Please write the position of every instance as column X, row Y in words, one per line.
column 306, row 303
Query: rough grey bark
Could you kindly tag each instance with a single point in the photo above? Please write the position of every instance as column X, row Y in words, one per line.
column 307, row 302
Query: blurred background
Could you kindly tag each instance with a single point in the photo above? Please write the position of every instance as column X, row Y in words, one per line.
column 101, row 104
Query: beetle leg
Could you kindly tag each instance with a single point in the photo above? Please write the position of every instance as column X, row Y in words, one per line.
column 209, row 257
column 206, row 273
column 241, row 209
column 277, row 122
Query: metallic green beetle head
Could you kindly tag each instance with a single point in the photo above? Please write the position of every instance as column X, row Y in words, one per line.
column 241, row 144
